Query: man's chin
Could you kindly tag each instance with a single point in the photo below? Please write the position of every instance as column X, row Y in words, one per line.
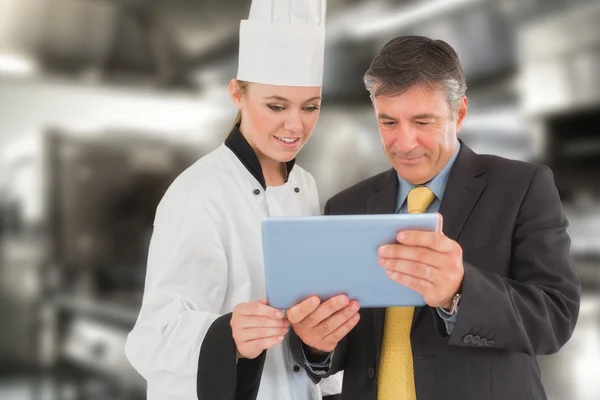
column 411, row 174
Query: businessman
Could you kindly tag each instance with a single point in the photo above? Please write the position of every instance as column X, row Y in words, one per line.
column 497, row 278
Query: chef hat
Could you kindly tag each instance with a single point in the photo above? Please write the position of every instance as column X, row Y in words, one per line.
column 283, row 43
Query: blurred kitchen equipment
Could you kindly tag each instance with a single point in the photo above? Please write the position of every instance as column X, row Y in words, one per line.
column 103, row 195
column 560, row 91
column 77, row 221
column 104, row 192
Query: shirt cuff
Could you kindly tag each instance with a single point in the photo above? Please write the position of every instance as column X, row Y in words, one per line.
column 318, row 368
column 449, row 319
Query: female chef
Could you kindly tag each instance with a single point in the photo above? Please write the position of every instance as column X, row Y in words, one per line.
column 203, row 310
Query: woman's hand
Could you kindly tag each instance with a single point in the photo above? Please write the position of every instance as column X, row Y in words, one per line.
column 256, row 327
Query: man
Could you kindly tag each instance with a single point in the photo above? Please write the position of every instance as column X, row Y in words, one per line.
column 497, row 278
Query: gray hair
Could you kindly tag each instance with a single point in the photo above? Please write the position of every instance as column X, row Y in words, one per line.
column 407, row 61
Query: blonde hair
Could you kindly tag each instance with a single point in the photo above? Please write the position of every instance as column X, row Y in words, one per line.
column 238, row 117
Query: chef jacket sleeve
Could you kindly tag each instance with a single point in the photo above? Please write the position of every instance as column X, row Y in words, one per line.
column 185, row 286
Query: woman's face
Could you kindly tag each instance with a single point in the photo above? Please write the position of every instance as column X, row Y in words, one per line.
column 277, row 120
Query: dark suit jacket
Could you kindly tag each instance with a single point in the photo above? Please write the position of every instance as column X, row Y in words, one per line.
column 520, row 293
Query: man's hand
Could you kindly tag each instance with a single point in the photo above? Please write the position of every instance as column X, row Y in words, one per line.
column 428, row 262
column 322, row 326
column 255, row 327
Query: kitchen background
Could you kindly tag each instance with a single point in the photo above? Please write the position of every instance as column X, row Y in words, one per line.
column 104, row 102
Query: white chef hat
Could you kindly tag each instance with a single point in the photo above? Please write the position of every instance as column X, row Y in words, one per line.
column 283, row 43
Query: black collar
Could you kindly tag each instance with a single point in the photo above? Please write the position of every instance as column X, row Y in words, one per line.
column 238, row 144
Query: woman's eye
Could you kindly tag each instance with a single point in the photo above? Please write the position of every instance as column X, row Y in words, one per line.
column 311, row 108
column 275, row 108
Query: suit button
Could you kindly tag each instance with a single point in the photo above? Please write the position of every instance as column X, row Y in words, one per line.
column 297, row 190
column 371, row 372
column 468, row 339
column 296, row 368
column 256, row 192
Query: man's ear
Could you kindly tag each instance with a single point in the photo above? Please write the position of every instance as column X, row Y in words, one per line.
column 461, row 113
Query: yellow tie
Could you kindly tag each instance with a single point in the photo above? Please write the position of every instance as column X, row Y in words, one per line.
column 396, row 380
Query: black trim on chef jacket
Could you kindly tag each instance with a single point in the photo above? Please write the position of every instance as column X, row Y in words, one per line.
column 219, row 376
column 238, row 144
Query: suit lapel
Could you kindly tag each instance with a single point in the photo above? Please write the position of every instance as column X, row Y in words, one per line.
column 463, row 189
column 382, row 202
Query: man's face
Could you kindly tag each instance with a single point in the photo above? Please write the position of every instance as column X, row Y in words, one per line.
column 418, row 131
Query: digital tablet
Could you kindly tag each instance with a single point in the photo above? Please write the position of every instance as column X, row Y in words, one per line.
column 331, row 255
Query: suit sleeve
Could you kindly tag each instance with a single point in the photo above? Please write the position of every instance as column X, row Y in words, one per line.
column 535, row 309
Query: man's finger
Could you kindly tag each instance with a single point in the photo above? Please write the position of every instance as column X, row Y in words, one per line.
column 418, row 285
column 336, row 320
column 412, row 268
column 327, row 309
column 300, row 311
column 432, row 240
column 416, row 254
column 344, row 329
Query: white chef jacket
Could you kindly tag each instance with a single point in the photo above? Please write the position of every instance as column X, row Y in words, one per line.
column 205, row 257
